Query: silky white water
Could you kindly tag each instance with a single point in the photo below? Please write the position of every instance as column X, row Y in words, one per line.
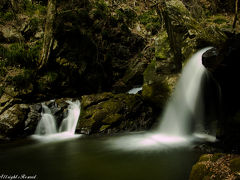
column 47, row 128
column 135, row 90
column 70, row 122
column 185, row 104
column 181, row 118
column 47, row 124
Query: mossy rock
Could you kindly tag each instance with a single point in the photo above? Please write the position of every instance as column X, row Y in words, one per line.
column 12, row 120
column 205, row 157
column 216, row 156
column 235, row 164
column 156, row 93
column 199, row 172
column 111, row 113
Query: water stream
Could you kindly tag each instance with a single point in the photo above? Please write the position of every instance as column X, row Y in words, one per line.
column 47, row 127
column 182, row 119
column 47, row 124
column 135, row 90
column 164, row 153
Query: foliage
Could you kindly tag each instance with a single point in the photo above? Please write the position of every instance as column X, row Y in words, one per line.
column 1, row 90
column 23, row 80
column 34, row 22
column 21, row 54
column 151, row 21
column 101, row 10
column 2, row 65
column 127, row 16
column 32, row 8
column 6, row 16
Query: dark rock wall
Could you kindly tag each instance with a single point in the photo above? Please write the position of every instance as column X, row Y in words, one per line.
column 224, row 66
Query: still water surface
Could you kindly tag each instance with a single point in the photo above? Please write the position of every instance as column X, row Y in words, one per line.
column 89, row 158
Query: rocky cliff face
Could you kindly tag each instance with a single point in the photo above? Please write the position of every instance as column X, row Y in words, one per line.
column 224, row 66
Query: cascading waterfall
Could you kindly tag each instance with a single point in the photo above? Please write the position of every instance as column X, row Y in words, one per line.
column 184, row 107
column 135, row 90
column 70, row 122
column 186, row 101
column 47, row 126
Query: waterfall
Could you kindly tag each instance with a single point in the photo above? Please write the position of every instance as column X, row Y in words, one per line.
column 186, row 102
column 70, row 122
column 182, row 117
column 135, row 90
column 47, row 126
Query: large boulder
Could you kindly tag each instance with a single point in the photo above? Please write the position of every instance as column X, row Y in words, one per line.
column 159, row 83
column 216, row 166
column 32, row 119
column 223, row 64
column 12, row 120
column 111, row 113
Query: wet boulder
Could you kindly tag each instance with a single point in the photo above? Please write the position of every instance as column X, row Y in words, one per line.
column 33, row 118
column 12, row 120
column 58, row 108
column 111, row 113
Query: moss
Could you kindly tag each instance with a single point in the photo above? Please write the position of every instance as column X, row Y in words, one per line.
column 91, row 100
column 156, row 93
column 1, row 90
column 216, row 156
column 7, row 16
column 112, row 118
column 104, row 127
column 34, row 22
column 199, row 172
column 127, row 16
column 151, row 21
column 211, row 157
column 99, row 115
column 21, row 54
column 162, row 47
column 205, row 157
column 47, row 80
column 149, row 73
column 111, row 106
column 219, row 21
column 33, row 8
column 235, row 164
column 22, row 80
column 101, row 10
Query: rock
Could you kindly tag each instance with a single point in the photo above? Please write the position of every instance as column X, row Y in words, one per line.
column 133, row 75
column 159, row 83
column 216, row 166
column 8, row 34
column 59, row 109
column 12, row 120
column 223, row 65
column 209, row 59
column 33, row 118
column 6, row 101
column 112, row 113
